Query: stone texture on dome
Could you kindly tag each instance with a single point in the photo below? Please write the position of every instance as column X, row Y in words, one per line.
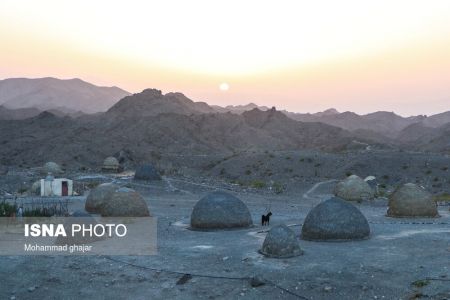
column 98, row 196
column 335, row 220
column 353, row 188
column 82, row 218
column 146, row 172
column 125, row 202
column 410, row 200
column 51, row 167
column 220, row 210
column 281, row 242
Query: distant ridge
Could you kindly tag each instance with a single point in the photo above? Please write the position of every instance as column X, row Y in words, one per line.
column 52, row 93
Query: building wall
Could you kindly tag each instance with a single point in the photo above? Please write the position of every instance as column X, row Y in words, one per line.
column 54, row 187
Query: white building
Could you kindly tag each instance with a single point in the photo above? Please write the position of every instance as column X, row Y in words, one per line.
column 51, row 186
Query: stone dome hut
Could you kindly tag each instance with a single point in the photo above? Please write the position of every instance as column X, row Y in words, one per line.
column 281, row 242
column 51, row 167
column 410, row 200
column 78, row 217
column 353, row 188
column 146, row 172
column 98, row 196
column 335, row 220
column 111, row 164
column 36, row 188
column 220, row 210
column 125, row 202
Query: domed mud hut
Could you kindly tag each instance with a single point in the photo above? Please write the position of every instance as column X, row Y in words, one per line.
column 111, row 164
column 125, row 202
column 220, row 210
column 51, row 167
column 146, row 172
column 353, row 188
column 98, row 196
column 36, row 188
column 335, row 220
column 281, row 242
column 410, row 200
column 82, row 218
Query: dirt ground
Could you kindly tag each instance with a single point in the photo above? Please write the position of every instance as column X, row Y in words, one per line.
column 403, row 259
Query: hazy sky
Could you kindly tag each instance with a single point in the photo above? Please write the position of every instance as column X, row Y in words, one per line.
column 302, row 56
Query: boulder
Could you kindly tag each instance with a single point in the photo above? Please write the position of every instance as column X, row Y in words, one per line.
column 98, row 196
column 125, row 202
column 335, row 220
column 353, row 188
column 281, row 242
column 220, row 210
column 146, row 172
column 410, row 200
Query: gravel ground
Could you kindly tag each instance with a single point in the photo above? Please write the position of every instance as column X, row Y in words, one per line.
column 399, row 253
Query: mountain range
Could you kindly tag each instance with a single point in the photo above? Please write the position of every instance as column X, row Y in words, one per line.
column 150, row 121
column 67, row 96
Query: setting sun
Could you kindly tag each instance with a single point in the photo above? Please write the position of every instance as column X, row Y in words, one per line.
column 224, row 87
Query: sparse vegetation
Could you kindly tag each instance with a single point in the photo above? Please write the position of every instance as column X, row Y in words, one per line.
column 22, row 190
column 442, row 197
column 92, row 185
column 277, row 187
column 421, row 283
column 258, row 184
column 7, row 209
column 348, row 173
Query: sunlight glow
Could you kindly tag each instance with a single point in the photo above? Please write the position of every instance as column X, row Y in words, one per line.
column 228, row 37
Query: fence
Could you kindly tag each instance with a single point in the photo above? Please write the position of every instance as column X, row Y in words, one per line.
column 39, row 206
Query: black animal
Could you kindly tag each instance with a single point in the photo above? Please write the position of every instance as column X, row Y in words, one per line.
column 265, row 219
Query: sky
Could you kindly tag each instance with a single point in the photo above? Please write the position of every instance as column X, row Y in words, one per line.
column 303, row 56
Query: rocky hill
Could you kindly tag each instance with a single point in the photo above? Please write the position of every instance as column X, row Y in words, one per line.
column 52, row 93
column 149, row 122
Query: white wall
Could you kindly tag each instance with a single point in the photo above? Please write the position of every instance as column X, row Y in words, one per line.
column 54, row 187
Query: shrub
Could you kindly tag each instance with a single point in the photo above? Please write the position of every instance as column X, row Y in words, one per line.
column 258, row 184
column 442, row 197
column 92, row 185
column 7, row 209
column 277, row 188
column 22, row 190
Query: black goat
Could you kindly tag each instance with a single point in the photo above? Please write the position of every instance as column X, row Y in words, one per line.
column 265, row 219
